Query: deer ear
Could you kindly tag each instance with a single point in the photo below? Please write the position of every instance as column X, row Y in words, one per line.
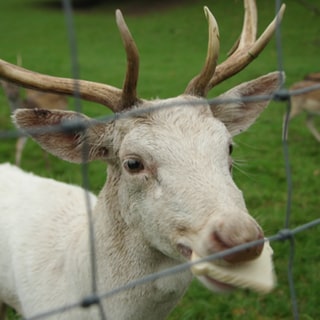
column 68, row 135
column 239, row 115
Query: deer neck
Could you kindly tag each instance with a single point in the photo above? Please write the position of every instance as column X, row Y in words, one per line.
column 124, row 256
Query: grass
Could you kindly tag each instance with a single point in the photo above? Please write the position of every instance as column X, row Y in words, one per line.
column 172, row 45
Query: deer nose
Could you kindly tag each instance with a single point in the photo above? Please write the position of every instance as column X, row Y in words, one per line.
column 228, row 236
column 240, row 256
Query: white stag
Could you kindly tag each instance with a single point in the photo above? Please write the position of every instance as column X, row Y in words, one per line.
column 169, row 189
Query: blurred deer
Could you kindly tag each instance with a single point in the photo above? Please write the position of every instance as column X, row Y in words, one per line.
column 32, row 99
column 308, row 102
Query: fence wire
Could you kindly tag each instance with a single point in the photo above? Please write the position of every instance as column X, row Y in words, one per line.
column 284, row 234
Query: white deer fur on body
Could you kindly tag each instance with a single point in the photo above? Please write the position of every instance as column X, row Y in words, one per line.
column 145, row 221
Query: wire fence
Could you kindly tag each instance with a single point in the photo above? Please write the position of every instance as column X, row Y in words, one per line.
column 284, row 234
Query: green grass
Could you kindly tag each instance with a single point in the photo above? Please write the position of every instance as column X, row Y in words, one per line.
column 172, row 46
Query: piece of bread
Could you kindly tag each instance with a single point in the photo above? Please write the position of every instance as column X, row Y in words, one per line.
column 257, row 274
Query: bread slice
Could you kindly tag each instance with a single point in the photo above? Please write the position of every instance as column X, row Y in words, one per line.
column 257, row 275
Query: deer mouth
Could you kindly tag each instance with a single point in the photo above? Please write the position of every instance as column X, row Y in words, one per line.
column 216, row 285
column 211, row 283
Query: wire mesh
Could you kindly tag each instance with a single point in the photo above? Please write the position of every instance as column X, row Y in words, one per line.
column 284, row 234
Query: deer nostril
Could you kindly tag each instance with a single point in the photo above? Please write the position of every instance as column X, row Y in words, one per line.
column 247, row 254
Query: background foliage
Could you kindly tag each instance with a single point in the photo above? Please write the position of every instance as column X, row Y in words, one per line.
column 172, row 39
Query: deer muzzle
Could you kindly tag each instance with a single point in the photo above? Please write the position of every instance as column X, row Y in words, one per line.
column 226, row 233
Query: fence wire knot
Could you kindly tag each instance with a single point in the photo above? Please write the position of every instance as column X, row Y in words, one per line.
column 285, row 234
column 281, row 95
column 90, row 300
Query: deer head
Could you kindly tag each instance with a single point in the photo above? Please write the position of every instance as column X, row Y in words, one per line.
column 169, row 168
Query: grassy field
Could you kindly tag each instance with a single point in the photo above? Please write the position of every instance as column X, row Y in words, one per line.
column 172, row 41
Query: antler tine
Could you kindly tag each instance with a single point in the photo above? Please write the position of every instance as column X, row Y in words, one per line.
column 129, row 94
column 249, row 29
column 90, row 91
column 197, row 86
column 247, row 48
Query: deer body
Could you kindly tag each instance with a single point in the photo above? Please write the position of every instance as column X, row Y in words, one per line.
column 308, row 102
column 50, row 249
column 169, row 189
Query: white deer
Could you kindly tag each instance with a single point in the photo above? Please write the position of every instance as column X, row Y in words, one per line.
column 169, row 190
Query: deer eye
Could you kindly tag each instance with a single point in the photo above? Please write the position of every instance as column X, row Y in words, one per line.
column 133, row 165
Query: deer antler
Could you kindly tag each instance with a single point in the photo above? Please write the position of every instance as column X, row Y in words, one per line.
column 91, row 91
column 129, row 95
column 197, row 86
column 243, row 52
column 114, row 98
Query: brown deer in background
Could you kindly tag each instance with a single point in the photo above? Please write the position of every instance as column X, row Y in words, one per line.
column 308, row 102
column 30, row 100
